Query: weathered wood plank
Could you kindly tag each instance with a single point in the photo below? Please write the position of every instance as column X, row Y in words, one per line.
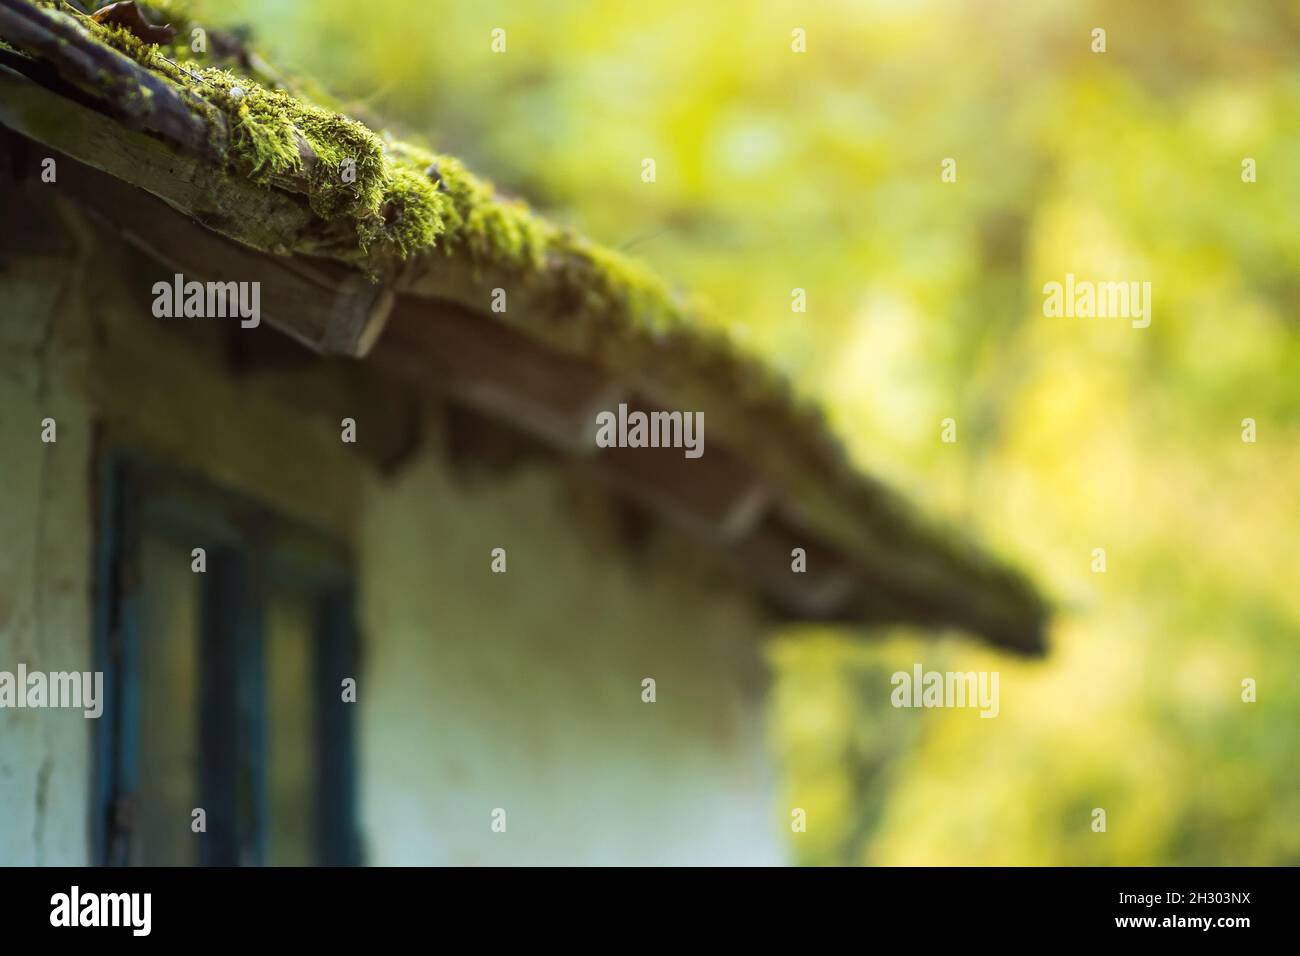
column 264, row 219
column 329, row 309
column 494, row 369
column 823, row 590
column 92, row 67
column 718, row 494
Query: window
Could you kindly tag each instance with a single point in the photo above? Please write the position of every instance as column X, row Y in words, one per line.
column 224, row 685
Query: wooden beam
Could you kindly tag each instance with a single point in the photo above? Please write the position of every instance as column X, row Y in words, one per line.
column 92, row 67
column 717, row 494
column 555, row 396
column 493, row 369
column 324, row 306
column 269, row 220
column 824, row 590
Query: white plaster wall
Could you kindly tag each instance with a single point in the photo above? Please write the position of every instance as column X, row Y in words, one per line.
column 522, row 691
column 45, row 564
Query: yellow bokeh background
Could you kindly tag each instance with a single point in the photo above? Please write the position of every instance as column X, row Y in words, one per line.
column 821, row 170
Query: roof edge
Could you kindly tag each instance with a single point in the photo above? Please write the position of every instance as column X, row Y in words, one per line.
column 191, row 142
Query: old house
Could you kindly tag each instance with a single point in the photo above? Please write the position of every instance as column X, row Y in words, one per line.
column 333, row 522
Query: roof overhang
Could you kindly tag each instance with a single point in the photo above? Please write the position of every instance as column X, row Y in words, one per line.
column 773, row 479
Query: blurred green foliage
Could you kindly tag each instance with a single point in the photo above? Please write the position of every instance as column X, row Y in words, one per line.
column 778, row 170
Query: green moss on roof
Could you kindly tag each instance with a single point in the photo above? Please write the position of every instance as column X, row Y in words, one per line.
column 400, row 199
column 396, row 199
column 390, row 208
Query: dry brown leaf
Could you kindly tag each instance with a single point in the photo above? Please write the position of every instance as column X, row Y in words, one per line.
column 127, row 15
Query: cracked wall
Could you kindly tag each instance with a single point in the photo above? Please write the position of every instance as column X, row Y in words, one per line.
column 45, row 544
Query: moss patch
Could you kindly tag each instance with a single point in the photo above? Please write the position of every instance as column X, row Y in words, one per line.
column 476, row 221
column 370, row 201
column 399, row 199
column 340, row 162
column 396, row 199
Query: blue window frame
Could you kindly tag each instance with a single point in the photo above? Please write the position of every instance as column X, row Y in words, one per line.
column 224, row 686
